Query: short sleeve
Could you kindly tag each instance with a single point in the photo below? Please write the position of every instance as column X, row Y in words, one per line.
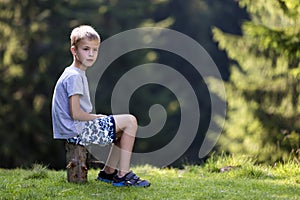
column 74, row 85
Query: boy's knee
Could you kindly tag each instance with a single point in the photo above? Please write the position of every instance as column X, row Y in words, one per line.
column 132, row 120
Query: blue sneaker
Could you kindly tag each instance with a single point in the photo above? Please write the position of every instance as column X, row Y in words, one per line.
column 130, row 179
column 107, row 178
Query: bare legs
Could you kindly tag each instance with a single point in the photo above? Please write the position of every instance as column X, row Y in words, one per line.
column 120, row 152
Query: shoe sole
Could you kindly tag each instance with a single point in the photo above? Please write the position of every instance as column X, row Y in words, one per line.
column 104, row 180
column 122, row 184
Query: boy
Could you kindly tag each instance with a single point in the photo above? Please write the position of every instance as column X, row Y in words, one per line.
column 72, row 120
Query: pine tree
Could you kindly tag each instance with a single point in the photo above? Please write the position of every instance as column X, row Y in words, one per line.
column 263, row 117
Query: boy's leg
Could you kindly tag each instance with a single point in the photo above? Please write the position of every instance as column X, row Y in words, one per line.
column 113, row 158
column 110, row 168
column 126, row 127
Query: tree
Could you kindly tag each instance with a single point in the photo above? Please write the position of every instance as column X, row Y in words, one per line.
column 263, row 89
column 23, row 93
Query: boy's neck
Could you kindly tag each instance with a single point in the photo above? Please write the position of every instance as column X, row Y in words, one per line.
column 79, row 65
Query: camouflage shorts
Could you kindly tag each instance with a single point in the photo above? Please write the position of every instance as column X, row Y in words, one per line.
column 98, row 131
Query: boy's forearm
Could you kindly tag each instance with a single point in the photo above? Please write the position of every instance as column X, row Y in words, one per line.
column 77, row 113
column 84, row 116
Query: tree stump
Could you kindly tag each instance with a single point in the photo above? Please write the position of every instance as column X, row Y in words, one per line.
column 76, row 157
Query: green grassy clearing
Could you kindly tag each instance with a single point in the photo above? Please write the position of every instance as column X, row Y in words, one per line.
column 244, row 181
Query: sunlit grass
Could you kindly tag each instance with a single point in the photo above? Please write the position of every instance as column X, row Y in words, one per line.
column 247, row 181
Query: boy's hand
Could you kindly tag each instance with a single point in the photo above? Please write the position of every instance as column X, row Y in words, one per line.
column 100, row 115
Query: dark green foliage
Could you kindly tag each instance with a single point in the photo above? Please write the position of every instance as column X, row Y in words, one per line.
column 263, row 91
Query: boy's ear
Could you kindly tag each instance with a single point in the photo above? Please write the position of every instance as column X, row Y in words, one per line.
column 73, row 50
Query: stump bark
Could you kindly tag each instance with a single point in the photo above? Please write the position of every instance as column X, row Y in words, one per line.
column 76, row 157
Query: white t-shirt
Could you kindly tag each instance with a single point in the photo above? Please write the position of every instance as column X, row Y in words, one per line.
column 72, row 81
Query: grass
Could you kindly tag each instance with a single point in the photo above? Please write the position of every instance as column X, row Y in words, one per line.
column 244, row 180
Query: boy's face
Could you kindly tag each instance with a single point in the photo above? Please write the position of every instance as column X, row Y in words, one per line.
column 87, row 52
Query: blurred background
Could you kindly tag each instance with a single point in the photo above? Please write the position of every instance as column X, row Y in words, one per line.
column 255, row 45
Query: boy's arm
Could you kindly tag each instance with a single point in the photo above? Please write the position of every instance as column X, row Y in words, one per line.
column 77, row 113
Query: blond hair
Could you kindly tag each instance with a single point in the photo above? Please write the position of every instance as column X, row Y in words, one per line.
column 83, row 32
